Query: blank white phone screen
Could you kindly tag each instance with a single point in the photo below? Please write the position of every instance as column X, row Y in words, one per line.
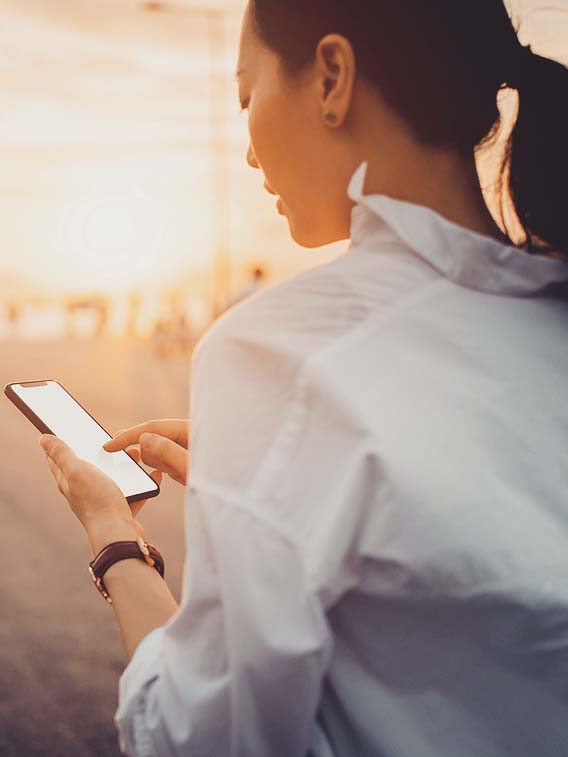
column 67, row 420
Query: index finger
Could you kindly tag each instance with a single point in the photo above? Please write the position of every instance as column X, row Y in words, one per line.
column 172, row 429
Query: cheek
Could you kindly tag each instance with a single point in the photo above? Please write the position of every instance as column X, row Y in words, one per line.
column 265, row 132
column 275, row 141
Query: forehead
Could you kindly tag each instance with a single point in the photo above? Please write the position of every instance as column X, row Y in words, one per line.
column 249, row 46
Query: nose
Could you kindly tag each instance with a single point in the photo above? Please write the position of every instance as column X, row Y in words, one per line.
column 251, row 158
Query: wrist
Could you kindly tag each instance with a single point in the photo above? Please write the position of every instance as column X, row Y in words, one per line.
column 102, row 532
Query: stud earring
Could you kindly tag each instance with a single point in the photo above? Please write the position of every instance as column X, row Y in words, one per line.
column 330, row 117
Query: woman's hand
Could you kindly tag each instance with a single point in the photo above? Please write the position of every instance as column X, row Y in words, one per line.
column 93, row 496
column 163, row 445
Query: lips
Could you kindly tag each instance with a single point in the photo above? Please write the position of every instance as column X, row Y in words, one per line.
column 279, row 203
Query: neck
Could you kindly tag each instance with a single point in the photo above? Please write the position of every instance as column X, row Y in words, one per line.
column 440, row 179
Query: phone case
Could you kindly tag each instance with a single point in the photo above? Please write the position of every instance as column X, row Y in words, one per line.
column 40, row 425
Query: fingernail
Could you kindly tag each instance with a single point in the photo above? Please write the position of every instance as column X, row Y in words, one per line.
column 44, row 441
column 146, row 439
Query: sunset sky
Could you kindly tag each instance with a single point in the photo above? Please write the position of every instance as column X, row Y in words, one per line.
column 105, row 146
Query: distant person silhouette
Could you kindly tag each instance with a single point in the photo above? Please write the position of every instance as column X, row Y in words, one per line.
column 255, row 282
column 13, row 315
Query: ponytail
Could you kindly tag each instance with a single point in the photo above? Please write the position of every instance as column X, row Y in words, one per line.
column 536, row 156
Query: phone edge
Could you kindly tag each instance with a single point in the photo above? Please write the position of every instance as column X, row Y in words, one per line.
column 42, row 428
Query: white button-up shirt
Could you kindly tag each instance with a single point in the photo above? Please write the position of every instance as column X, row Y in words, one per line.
column 377, row 512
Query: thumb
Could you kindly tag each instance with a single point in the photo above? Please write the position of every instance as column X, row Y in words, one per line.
column 164, row 454
column 61, row 454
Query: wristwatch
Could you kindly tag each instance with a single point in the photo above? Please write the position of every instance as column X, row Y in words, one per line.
column 123, row 550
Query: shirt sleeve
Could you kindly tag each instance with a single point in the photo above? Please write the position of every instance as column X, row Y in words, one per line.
column 238, row 670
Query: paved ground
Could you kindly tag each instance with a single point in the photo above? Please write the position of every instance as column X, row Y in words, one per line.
column 60, row 652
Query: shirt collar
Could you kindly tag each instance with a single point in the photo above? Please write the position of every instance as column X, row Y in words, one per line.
column 461, row 255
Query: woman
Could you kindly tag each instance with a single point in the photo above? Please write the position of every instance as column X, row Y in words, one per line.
column 376, row 518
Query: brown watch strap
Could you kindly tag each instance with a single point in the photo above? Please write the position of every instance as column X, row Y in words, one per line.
column 123, row 550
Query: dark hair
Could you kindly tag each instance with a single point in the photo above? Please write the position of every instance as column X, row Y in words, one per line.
column 440, row 64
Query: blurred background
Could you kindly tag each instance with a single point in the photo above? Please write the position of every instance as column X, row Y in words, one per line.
column 129, row 221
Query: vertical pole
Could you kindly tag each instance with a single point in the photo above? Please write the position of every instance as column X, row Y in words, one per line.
column 220, row 159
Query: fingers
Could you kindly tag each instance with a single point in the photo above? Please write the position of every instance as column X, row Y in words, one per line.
column 165, row 455
column 59, row 452
column 134, row 453
column 151, row 457
column 176, row 430
column 123, row 439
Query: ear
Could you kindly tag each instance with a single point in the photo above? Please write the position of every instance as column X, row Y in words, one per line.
column 336, row 72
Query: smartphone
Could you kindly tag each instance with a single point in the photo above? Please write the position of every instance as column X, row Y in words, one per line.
column 53, row 410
